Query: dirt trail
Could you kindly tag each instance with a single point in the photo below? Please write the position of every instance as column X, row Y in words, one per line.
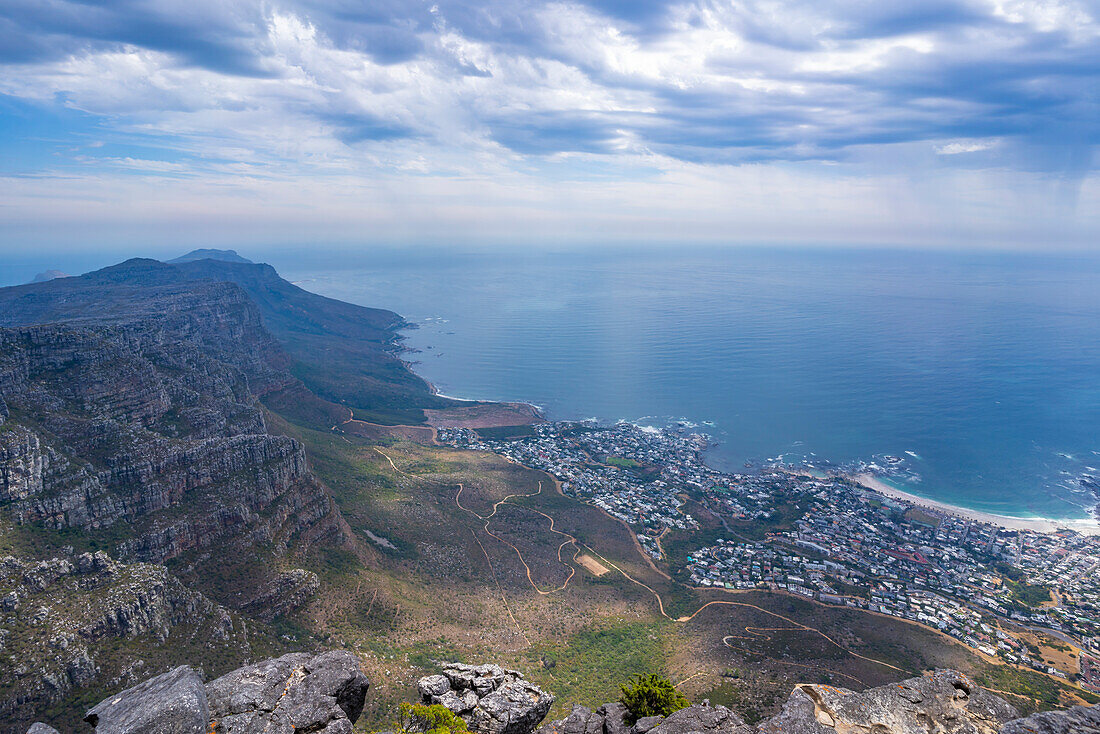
column 391, row 462
column 660, row 602
column 519, row 554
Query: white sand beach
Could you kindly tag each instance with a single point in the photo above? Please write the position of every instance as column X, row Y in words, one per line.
column 1085, row 526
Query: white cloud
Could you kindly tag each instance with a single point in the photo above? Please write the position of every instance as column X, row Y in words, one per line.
column 698, row 123
column 965, row 146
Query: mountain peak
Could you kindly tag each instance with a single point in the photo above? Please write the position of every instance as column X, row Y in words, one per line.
column 210, row 254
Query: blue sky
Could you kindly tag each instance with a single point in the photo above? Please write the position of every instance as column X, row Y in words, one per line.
column 177, row 123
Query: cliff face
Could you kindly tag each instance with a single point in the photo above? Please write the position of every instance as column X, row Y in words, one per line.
column 74, row 621
column 130, row 420
column 344, row 353
column 144, row 421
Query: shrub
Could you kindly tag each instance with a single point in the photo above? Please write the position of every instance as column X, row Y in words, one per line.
column 651, row 695
column 420, row 719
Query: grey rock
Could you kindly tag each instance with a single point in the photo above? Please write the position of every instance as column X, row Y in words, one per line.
column 516, row 707
column 646, row 723
column 614, row 718
column 285, row 593
column 702, row 719
column 40, row 728
column 1077, row 720
column 489, row 698
column 945, row 700
column 297, row 692
column 455, row 703
column 581, row 720
column 172, row 703
column 433, row 686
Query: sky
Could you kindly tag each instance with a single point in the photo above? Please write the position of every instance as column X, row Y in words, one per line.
column 172, row 124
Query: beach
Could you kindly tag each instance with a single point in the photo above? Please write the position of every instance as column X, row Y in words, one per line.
column 1085, row 526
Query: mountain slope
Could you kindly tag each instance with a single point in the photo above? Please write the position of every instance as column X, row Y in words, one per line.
column 344, row 353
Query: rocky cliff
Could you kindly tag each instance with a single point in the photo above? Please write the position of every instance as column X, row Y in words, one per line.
column 344, row 353
column 131, row 421
column 72, row 621
column 139, row 420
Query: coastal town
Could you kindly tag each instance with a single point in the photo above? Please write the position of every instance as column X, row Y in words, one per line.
column 828, row 538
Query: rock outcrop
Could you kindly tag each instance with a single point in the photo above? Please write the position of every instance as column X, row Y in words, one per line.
column 1077, row 720
column 297, row 692
column 285, row 593
column 946, row 700
column 942, row 702
column 490, row 699
column 323, row 694
column 609, row 719
column 171, row 703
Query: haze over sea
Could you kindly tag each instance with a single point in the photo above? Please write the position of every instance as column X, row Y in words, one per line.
column 980, row 372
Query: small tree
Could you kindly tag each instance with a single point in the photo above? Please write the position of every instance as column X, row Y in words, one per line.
column 650, row 695
column 416, row 718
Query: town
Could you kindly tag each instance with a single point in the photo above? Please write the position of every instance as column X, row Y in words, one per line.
column 829, row 539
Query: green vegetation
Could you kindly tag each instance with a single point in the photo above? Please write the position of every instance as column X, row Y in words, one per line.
column 1029, row 595
column 1009, row 571
column 586, row 663
column 784, row 514
column 622, row 462
column 506, row 433
column 1033, row 691
column 651, row 695
column 420, row 719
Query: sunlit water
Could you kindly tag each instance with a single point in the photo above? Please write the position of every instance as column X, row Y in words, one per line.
column 985, row 369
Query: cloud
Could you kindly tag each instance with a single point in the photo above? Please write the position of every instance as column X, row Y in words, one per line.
column 463, row 90
column 964, row 146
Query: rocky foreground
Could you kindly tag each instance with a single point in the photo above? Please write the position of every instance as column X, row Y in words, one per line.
column 325, row 694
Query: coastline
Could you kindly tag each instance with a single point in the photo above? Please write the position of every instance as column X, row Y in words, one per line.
column 1085, row 526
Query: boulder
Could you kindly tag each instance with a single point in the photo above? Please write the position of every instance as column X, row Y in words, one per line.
column 297, row 692
column 798, row 716
column 609, row 719
column 433, row 685
column 702, row 719
column 516, row 707
column 614, row 718
column 40, row 728
column 172, row 703
column 945, row 700
column 1077, row 720
column 581, row 720
column 490, row 699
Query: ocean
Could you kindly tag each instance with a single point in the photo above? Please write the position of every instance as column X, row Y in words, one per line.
column 972, row 379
